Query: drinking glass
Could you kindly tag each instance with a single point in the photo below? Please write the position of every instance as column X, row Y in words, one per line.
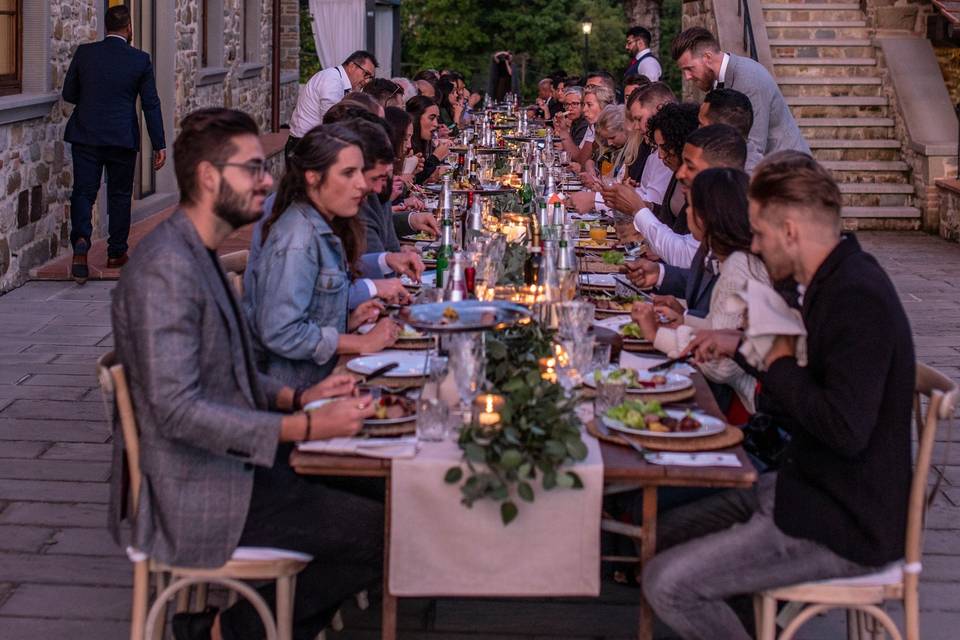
column 469, row 364
column 610, row 393
column 433, row 414
column 601, row 355
column 573, row 358
column 575, row 318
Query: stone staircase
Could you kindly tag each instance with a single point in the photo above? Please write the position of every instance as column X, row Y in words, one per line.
column 825, row 63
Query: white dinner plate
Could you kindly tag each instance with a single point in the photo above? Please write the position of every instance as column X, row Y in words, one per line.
column 675, row 382
column 410, row 364
column 364, row 329
column 427, row 279
column 709, row 426
column 604, row 280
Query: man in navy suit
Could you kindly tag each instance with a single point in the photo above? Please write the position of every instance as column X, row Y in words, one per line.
column 103, row 81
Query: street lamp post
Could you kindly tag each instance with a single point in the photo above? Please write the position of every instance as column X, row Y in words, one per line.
column 587, row 28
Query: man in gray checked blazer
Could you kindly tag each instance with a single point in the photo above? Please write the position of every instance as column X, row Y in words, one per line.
column 701, row 61
column 214, row 432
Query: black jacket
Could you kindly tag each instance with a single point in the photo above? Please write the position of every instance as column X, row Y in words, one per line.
column 104, row 81
column 695, row 285
column 846, row 477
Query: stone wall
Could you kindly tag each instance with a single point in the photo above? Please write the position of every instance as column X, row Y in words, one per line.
column 35, row 167
column 949, row 59
column 949, row 192
column 897, row 15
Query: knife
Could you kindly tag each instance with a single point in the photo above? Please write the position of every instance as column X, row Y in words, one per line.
column 632, row 287
column 666, row 364
column 376, row 373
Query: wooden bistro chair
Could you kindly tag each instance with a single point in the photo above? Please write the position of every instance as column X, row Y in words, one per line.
column 864, row 596
column 247, row 563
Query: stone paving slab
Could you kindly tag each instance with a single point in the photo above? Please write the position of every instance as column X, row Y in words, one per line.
column 62, row 576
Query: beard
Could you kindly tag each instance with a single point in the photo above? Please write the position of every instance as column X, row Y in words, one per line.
column 234, row 208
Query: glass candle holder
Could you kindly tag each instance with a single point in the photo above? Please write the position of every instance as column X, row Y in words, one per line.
column 548, row 369
column 486, row 412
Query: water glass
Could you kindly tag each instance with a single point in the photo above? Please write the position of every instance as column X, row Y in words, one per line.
column 601, row 355
column 574, row 357
column 468, row 360
column 433, row 414
column 575, row 318
column 610, row 393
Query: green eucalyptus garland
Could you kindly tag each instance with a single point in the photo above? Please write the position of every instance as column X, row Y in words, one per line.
column 539, row 435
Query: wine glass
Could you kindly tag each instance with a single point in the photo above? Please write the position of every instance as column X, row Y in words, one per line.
column 469, row 364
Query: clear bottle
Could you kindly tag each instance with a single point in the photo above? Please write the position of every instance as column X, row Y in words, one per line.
column 566, row 266
column 531, row 266
column 456, row 289
column 474, row 226
column 549, row 278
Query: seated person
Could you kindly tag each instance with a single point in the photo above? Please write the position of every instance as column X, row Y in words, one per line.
column 215, row 433
column 668, row 130
column 838, row 505
column 710, row 147
column 595, row 98
column 608, row 161
column 297, row 304
column 426, row 120
column 572, row 119
column 717, row 217
column 386, row 92
column 729, row 106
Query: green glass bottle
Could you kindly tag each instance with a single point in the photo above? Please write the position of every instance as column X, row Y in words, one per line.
column 445, row 253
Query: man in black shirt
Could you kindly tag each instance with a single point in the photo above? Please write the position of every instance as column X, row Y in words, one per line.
column 838, row 505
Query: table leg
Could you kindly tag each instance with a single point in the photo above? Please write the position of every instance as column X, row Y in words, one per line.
column 388, row 629
column 648, row 546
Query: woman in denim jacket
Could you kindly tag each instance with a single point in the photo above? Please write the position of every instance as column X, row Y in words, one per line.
column 297, row 304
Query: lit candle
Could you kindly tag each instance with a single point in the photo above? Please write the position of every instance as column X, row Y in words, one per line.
column 548, row 369
column 487, row 409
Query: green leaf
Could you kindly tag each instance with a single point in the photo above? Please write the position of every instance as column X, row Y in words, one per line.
column 577, row 481
column 555, row 449
column 564, row 481
column 508, row 512
column 533, row 378
column 549, row 480
column 525, row 491
column 511, row 459
column 474, row 452
column 523, row 471
column 576, row 448
column 514, row 384
column 453, row 475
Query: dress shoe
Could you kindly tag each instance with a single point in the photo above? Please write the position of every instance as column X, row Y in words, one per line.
column 194, row 626
column 78, row 269
column 115, row 262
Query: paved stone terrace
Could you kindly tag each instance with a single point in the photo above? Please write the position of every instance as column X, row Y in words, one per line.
column 62, row 577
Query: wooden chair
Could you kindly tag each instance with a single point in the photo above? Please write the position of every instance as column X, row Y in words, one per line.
column 247, row 563
column 235, row 261
column 864, row 596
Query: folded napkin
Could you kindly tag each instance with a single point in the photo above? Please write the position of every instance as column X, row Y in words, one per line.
column 768, row 316
column 405, row 447
column 704, row 459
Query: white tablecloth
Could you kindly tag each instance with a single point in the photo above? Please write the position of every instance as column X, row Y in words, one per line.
column 438, row 547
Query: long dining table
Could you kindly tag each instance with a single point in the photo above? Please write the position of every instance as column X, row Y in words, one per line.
column 622, row 465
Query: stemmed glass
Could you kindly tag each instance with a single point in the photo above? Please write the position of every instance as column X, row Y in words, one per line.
column 468, row 359
column 575, row 318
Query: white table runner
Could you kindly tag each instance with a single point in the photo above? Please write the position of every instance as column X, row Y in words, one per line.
column 438, row 547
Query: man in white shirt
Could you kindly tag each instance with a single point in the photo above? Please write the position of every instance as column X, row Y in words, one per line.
column 642, row 61
column 325, row 89
column 715, row 146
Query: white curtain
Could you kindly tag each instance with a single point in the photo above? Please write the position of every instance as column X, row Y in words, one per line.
column 384, row 41
column 338, row 29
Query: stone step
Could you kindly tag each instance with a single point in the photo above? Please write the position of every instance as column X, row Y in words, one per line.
column 837, row 101
column 843, row 14
column 865, row 166
column 845, row 122
column 812, row 6
column 832, row 80
column 880, row 212
column 854, row 144
column 821, row 42
column 885, row 188
column 826, row 62
column 816, row 24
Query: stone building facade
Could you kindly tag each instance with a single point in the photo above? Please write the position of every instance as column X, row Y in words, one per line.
column 224, row 58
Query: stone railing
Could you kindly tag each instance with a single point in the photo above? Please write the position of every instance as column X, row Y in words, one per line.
column 949, row 192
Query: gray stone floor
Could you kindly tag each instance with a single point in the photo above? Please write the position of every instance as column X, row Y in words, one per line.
column 62, row 577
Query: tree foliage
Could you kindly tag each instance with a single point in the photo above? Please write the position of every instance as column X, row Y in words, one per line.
column 463, row 34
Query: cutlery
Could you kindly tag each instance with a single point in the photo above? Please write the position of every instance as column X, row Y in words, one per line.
column 376, row 373
column 666, row 364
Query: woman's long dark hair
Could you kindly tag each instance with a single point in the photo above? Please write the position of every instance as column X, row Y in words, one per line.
column 445, row 88
column 719, row 199
column 399, row 120
column 415, row 107
column 318, row 151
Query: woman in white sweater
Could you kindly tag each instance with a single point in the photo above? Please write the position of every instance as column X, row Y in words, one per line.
column 718, row 218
